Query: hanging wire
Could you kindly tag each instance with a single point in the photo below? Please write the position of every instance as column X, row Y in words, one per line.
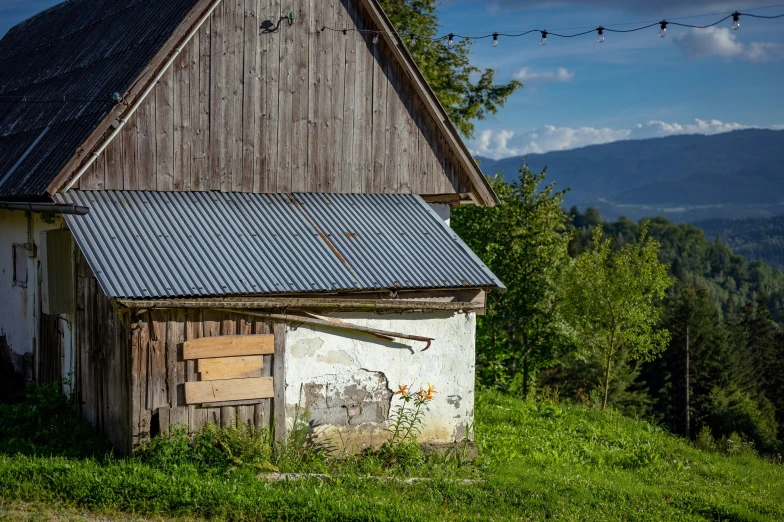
column 450, row 37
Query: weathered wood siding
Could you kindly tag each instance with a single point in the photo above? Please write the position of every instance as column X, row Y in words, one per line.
column 159, row 371
column 295, row 109
column 102, row 363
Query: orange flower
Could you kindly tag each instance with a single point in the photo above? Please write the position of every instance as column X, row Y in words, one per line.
column 428, row 396
column 402, row 389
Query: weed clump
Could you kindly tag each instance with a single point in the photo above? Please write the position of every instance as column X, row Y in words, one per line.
column 40, row 420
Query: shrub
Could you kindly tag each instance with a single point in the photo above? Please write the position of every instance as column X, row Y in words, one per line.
column 42, row 422
column 733, row 412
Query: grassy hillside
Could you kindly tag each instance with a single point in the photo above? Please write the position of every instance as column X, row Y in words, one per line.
column 537, row 460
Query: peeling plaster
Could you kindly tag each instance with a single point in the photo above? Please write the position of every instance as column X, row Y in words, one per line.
column 346, row 379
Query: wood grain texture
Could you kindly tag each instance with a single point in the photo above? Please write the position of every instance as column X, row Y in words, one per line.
column 230, row 367
column 228, row 346
column 287, row 109
column 228, row 390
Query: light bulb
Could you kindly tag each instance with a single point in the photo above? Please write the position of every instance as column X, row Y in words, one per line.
column 736, row 20
column 601, row 34
column 413, row 40
column 663, row 30
column 495, row 39
column 451, row 40
column 375, row 38
column 544, row 37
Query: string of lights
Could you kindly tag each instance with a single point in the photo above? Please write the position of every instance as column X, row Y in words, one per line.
column 451, row 37
column 600, row 30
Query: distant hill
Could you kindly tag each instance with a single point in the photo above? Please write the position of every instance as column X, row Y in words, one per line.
column 684, row 178
column 756, row 239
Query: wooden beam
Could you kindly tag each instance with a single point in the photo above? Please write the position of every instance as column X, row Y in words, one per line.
column 230, row 367
column 228, row 346
column 228, row 390
column 383, row 334
column 328, row 303
column 449, row 199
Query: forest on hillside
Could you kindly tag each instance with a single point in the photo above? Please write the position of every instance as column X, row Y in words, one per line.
column 759, row 239
column 651, row 318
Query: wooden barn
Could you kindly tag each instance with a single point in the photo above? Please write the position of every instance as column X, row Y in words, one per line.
column 219, row 211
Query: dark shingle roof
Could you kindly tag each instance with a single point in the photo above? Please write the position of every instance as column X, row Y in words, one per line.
column 76, row 50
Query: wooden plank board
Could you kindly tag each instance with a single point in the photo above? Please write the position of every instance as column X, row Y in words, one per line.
column 296, row 143
column 228, row 346
column 231, row 367
column 265, row 179
column 228, row 390
column 164, row 130
column 201, row 171
column 279, row 381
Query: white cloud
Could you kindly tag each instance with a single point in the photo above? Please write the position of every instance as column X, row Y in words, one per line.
column 723, row 42
column 529, row 76
column 506, row 143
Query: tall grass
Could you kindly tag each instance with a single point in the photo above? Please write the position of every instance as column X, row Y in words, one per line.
column 538, row 460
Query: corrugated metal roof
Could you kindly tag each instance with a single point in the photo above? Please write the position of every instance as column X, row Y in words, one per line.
column 195, row 244
column 78, row 51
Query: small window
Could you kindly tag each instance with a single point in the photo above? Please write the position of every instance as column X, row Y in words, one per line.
column 20, row 265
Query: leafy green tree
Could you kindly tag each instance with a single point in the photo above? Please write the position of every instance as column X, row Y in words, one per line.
column 610, row 301
column 524, row 241
column 448, row 70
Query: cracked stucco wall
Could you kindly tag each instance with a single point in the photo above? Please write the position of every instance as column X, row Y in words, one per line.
column 346, row 379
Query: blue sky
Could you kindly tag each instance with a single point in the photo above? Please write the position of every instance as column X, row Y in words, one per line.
column 637, row 85
column 579, row 91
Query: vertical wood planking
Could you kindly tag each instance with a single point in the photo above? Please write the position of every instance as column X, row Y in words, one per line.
column 379, row 120
column 268, row 161
column 262, row 413
column 182, row 127
column 319, row 72
column 130, row 168
column 336, row 16
column 93, row 178
column 146, row 145
column 363, row 100
column 202, row 162
column 113, row 178
column 164, row 131
column 157, row 392
column 235, row 55
column 346, row 167
column 250, row 97
column 279, row 381
column 218, row 100
column 395, row 124
column 292, row 110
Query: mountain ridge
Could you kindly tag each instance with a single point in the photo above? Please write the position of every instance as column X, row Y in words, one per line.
column 684, row 178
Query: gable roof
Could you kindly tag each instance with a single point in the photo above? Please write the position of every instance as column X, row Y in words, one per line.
column 103, row 49
column 146, row 244
column 78, row 51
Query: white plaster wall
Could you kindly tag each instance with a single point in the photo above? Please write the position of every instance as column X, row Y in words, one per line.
column 443, row 210
column 357, row 372
column 19, row 305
